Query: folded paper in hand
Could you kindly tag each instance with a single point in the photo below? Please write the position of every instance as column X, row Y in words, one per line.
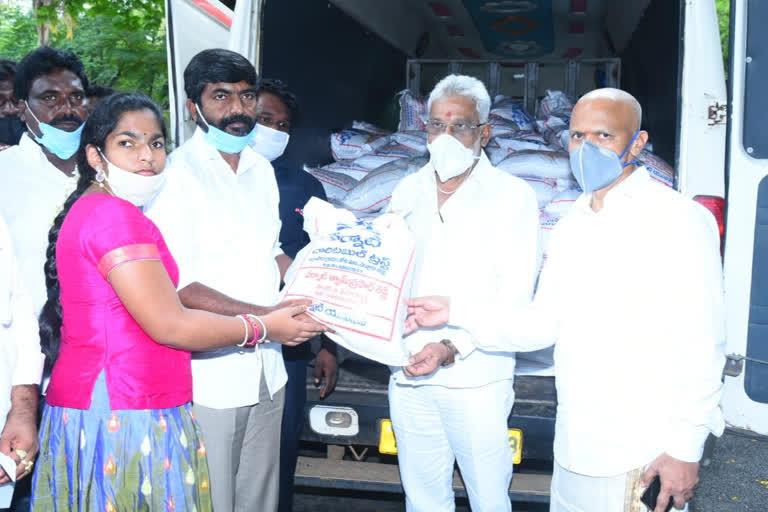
column 6, row 491
column 357, row 272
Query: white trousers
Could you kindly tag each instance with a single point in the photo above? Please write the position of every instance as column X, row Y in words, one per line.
column 572, row 492
column 435, row 426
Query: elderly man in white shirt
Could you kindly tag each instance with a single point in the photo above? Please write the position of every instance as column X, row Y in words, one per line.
column 219, row 215
column 21, row 366
column 632, row 297
column 477, row 235
column 37, row 176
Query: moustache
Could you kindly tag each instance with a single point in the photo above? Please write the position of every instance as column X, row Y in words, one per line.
column 66, row 118
column 238, row 118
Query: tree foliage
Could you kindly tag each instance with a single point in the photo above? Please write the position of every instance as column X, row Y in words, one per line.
column 724, row 21
column 121, row 42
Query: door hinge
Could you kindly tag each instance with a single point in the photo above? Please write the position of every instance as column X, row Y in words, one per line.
column 716, row 114
column 734, row 364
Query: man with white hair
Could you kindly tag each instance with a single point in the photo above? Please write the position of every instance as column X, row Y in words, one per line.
column 452, row 402
column 632, row 298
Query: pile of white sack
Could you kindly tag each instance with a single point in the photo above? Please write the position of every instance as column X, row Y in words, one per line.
column 371, row 161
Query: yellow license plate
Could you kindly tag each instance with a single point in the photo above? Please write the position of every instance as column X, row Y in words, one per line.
column 388, row 445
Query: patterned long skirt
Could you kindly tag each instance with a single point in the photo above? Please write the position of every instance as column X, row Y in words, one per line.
column 100, row 460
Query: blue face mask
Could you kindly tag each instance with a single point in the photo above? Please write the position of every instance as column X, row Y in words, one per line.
column 595, row 167
column 61, row 143
column 223, row 141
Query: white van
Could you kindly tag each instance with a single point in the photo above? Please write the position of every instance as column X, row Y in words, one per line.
column 346, row 60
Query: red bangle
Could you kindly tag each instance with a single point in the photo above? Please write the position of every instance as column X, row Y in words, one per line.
column 256, row 332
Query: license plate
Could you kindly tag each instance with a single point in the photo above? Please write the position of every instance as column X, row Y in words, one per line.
column 388, row 445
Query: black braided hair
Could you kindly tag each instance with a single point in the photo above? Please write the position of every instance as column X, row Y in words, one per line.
column 99, row 125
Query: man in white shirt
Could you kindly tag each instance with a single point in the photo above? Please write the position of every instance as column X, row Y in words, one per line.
column 21, row 366
column 459, row 208
column 38, row 174
column 632, row 297
column 219, row 215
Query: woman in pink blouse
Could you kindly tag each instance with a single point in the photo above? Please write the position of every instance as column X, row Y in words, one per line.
column 118, row 431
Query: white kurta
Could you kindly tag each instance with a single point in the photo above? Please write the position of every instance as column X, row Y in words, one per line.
column 32, row 193
column 632, row 297
column 223, row 230
column 481, row 248
column 20, row 359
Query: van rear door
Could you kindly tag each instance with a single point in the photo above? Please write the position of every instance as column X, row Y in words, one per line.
column 746, row 242
column 193, row 26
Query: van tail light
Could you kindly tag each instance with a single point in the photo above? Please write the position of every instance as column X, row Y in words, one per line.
column 716, row 205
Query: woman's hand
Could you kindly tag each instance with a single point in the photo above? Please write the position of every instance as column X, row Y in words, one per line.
column 290, row 326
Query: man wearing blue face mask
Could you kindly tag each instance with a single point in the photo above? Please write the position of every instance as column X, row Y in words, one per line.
column 219, row 213
column 38, row 174
column 631, row 296
column 276, row 109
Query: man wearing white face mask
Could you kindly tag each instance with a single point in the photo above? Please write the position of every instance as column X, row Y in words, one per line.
column 632, row 298
column 276, row 108
column 453, row 401
column 38, row 174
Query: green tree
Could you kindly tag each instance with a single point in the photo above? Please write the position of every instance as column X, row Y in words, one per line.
column 724, row 20
column 121, row 43
column 18, row 34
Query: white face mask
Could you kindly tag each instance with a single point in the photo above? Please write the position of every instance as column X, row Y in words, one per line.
column 268, row 142
column 132, row 187
column 449, row 157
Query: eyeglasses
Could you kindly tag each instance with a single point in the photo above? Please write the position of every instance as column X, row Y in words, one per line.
column 435, row 127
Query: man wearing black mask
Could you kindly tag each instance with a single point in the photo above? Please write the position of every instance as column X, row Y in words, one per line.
column 11, row 126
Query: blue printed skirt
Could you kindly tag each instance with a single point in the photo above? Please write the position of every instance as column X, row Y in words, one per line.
column 100, row 460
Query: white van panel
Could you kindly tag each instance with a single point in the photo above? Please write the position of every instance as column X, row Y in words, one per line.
column 196, row 25
column 702, row 144
column 745, row 176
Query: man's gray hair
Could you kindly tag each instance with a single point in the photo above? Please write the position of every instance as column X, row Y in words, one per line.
column 466, row 86
column 609, row 93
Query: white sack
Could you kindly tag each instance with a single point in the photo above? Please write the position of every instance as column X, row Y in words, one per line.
column 357, row 274
column 335, row 184
column 544, row 164
column 562, row 202
column 350, row 143
column 413, row 110
column 372, row 194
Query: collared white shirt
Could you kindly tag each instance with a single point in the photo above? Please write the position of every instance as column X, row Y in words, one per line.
column 32, row 193
column 481, row 247
column 20, row 359
column 632, row 295
column 223, row 230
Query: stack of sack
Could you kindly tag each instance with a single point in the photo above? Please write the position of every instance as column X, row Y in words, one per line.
column 370, row 161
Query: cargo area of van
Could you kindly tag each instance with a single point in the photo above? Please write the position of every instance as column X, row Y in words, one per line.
column 346, row 59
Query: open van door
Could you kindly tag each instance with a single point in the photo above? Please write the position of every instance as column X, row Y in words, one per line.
column 745, row 397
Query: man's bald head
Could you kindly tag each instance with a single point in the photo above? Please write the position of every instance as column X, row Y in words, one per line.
column 609, row 118
column 620, row 97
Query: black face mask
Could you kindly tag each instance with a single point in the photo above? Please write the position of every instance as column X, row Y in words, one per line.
column 11, row 129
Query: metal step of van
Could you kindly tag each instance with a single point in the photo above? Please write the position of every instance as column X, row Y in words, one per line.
column 376, row 477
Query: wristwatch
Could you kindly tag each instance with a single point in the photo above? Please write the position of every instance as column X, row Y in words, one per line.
column 452, row 350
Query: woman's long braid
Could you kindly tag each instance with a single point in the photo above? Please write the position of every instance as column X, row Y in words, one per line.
column 50, row 316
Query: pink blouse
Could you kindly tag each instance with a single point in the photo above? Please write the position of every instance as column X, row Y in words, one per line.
column 99, row 233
